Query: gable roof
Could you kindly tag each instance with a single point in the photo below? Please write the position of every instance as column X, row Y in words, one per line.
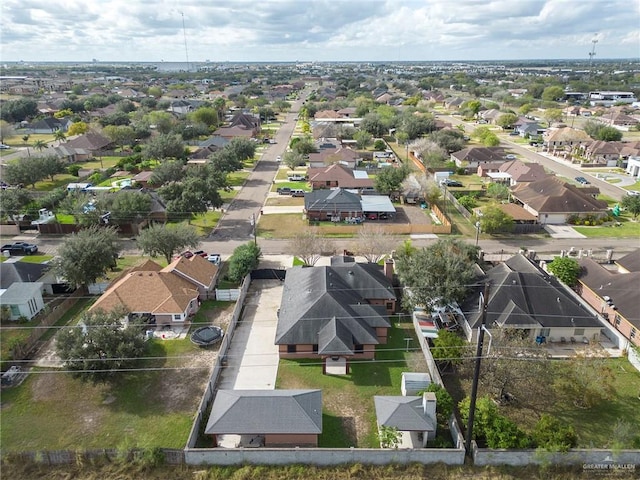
column 630, row 262
column 15, row 272
column 524, row 296
column 566, row 134
column 344, row 176
column 403, row 413
column 314, row 297
column 90, row 141
column 480, row 154
column 523, row 172
column 553, row 195
column 195, row 269
column 20, row 292
column 266, row 412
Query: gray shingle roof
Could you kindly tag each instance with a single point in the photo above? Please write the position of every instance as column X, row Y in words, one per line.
column 524, row 296
column 313, row 296
column 266, row 411
column 335, row 201
column 20, row 272
column 403, row 413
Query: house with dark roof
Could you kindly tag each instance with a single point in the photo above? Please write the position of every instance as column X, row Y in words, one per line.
column 522, row 172
column 413, row 416
column 553, row 201
column 335, row 205
column 614, row 293
column 27, row 272
column 337, row 154
column 90, row 141
column 525, row 298
column 266, row 418
column 48, row 125
column 335, row 312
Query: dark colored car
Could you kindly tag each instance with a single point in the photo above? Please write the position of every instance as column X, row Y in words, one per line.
column 284, row 191
column 19, row 248
column 451, row 183
column 582, row 180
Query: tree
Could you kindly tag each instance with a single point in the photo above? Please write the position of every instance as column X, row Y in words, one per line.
column 554, row 93
column 120, row 134
column 241, row 149
column 438, row 274
column 293, row 159
column 495, row 220
column 163, row 121
column 498, row 191
column 389, row 179
column 566, row 269
column 449, row 140
column 77, row 128
column 12, row 201
column 26, row 171
column 444, row 402
column 15, row 111
column 448, row 347
column 205, row 115
column 372, row 123
column 472, row 107
column 506, row 120
column 632, row 204
column 167, row 240
column 552, row 115
column 309, row 245
column 587, row 379
column 303, row 145
column 59, row 136
column 130, row 206
column 609, row 134
column 244, row 259
column 6, row 130
column 193, row 194
column 172, row 170
column 468, row 201
column 374, row 243
column 99, row 346
column 162, row 147
column 87, row 255
column 362, row 138
column 50, row 165
column 379, row 145
column 39, row 145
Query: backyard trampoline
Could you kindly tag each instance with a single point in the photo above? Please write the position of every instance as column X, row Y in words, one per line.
column 205, row 336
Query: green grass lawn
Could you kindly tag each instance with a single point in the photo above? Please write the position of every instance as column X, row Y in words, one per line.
column 285, row 225
column 293, row 185
column 348, row 410
column 237, row 179
column 627, row 229
column 36, row 258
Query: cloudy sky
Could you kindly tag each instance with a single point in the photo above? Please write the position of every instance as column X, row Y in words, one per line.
column 316, row 30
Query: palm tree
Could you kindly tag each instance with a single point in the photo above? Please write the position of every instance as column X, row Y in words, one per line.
column 25, row 139
column 59, row 136
column 40, row 145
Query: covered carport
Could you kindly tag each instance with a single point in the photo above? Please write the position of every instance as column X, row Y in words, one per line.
column 377, row 207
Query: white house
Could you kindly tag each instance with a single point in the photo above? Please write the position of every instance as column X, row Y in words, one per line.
column 23, row 299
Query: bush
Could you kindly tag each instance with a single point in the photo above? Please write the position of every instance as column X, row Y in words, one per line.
column 74, row 169
column 244, row 259
column 553, row 435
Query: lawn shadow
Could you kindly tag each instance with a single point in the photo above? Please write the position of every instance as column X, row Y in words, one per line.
column 337, row 431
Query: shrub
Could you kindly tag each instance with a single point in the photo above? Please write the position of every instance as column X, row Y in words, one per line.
column 553, row 435
column 74, row 169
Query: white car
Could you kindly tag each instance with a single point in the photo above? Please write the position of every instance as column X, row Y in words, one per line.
column 633, row 193
column 4, row 147
column 215, row 258
column 278, row 158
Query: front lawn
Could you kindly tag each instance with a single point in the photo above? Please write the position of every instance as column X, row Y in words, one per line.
column 627, row 229
column 349, row 417
column 285, row 225
column 36, row 258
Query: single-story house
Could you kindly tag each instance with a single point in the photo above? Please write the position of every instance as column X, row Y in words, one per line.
column 553, row 201
column 27, row 272
column 521, row 172
column 610, row 292
column 198, row 271
column 23, row 299
column 267, row 418
column 328, row 156
column 471, row 157
column 561, row 138
column 338, row 175
column 413, row 416
column 525, row 298
column 335, row 312
column 335, row 205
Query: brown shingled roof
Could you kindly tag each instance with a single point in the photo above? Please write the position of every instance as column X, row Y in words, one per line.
column 196, row 269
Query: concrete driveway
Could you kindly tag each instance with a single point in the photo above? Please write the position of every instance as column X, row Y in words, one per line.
column 252, row 358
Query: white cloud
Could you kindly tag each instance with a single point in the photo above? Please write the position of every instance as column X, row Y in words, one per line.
column 244, row 30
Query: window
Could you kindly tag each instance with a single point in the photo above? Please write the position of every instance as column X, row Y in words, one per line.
column 177, row 317
column 15, row 310
column 578, row 332
column 388, row 306
column 315, row 348
column 291, row 349
column 544, row 332
column 618, row 320
column 358, row 348
column 633, row 333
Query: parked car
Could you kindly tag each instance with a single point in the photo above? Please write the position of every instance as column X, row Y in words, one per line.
column 514, row 134
column 4, row 147
column 19, row 248
column 633, row 193
column 284, row 191
column 582, row 180
column 278, row 158
column 297, row 193
column 451, row 183
column 201, row 253
column 296, row 178
column 185, row 254
column 215, row 258
column 510, row 157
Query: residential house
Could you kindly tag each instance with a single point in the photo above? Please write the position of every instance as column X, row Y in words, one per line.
column 69, row 154
column 163, row 296
column 553, row 201
column 266, row 418
column 48, row 125
column 27, row 272
column 525, row 299
column 519, row 215
column 564, row 138
column 242, row 125
column 528, row 127
column 610, row 153
column 328, row 156
column 413, row 416
column 633, row 166
column 621, row 121
column 491, row 115
column 472, row 157
column 143, row 178
column 90, row 141
column 180, row 107
column 335, row 205
column 335, row 312
column 613, row 293
column 521, row 172
column 337, row 175
column 454, row 103
column 23, row 299
column 198, row 271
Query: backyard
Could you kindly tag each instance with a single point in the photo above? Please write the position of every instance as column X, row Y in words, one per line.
column 150, row 407
column 349, row 417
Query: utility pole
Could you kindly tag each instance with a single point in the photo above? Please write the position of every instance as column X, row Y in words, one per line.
column 252, row 220
column 484, row 299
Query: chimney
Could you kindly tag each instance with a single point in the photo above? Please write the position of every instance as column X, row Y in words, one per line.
column 429, row 404
column 388, row 268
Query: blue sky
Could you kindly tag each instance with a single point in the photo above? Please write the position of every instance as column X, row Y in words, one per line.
column 317, row 30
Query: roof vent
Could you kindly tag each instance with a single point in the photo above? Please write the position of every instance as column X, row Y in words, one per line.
column 350, row 272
